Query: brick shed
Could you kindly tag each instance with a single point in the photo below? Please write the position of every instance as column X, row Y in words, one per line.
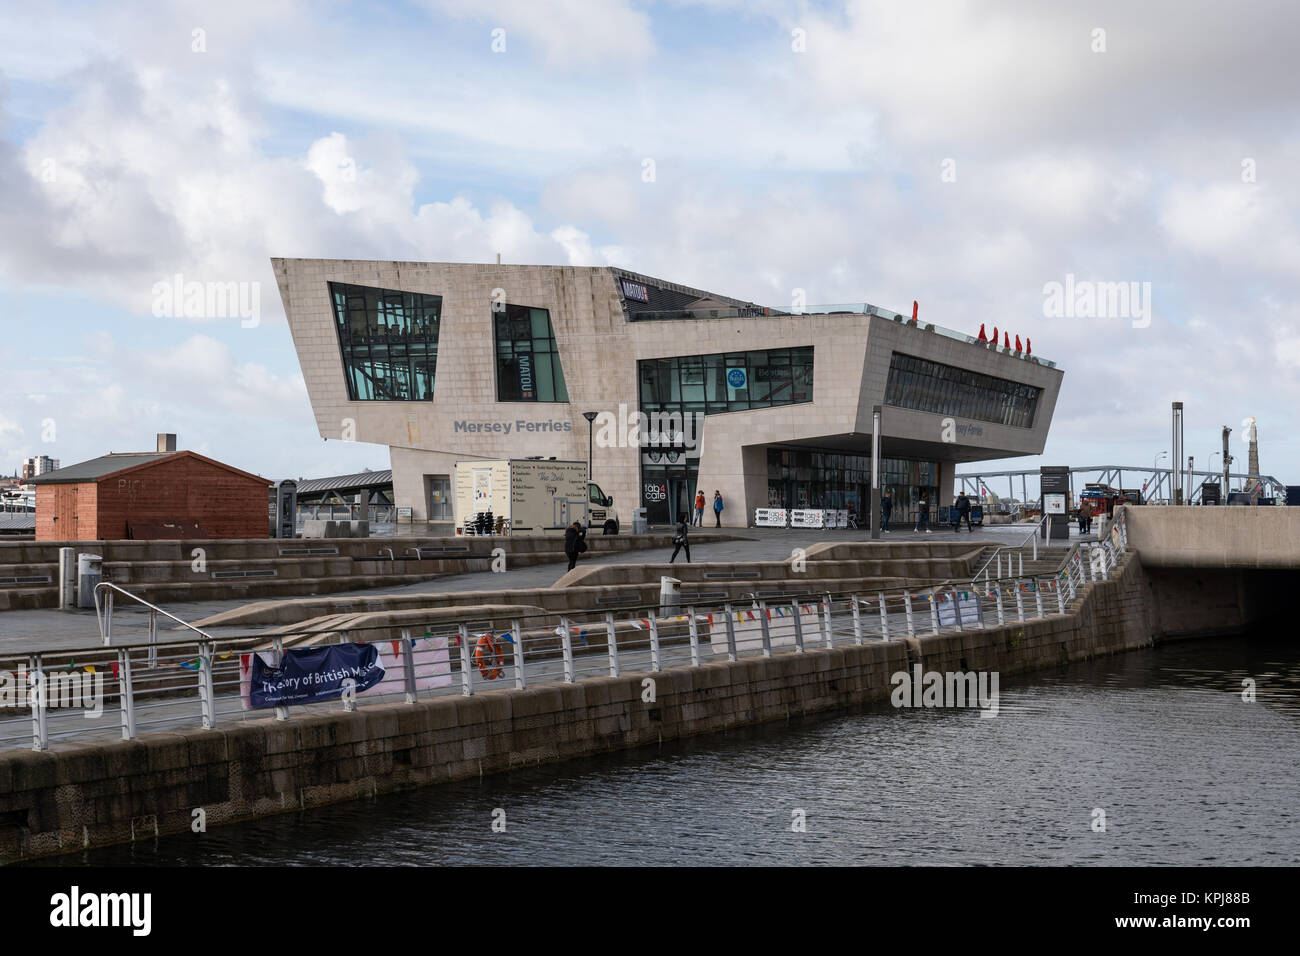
column 150, row 495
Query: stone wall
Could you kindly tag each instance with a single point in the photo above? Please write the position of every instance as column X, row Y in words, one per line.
column 90, row 795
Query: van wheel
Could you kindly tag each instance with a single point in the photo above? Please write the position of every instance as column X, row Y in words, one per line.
column 611, row 527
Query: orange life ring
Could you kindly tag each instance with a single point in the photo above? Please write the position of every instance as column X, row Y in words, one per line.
column 488, row 658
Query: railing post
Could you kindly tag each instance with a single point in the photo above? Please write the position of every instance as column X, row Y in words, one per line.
column 997, row 590
column 612, row 641
column 1060, row 596
column 798, row 626
column 1020, row 561
column 408, row 664
column 956, row 609
column 934, row 611
column 884, row 617
column 108, row 617
column 37, row 697
column 857, row 620
column 566, row 644
column 126, row 693
column 517, row 632
column 207, row 695
column 656, row 662
column 153, row 638
column 765, row 627
column 694, row 627
column 731, row 632
column 828, row 630
column 1020, row 602
column 466, row 672
column 907, row 607
column 1038, row 596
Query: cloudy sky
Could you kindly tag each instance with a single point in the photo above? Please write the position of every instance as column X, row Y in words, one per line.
column 962, row 154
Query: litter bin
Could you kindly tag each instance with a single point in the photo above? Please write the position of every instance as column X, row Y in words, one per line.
column 670, row 595
column 90, row 572
column 640, row 525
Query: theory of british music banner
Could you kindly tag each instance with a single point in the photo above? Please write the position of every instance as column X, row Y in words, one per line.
column 308, row 675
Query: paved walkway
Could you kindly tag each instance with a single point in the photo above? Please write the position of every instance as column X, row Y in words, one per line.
column 53, row 629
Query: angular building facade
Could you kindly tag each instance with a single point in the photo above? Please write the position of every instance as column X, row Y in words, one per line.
column 445, row 362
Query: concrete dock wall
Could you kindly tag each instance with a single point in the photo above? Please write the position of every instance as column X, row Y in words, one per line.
column 91, row 795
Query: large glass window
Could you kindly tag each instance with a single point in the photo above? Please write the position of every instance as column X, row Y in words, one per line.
column 389, row 341
column 945, row 390
column 726, row 381
column 528, row 362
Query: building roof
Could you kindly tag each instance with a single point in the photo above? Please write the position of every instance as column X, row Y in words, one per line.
column 345, row 484
column 97, row 468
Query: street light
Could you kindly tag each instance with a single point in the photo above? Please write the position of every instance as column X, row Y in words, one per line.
column 590, row 417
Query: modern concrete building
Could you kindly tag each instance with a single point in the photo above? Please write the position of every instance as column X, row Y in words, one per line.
column 39, row 465
column 448, row 361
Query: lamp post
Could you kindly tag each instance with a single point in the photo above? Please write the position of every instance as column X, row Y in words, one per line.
column 1154, row 464
column 874, row 512
column 590, row 417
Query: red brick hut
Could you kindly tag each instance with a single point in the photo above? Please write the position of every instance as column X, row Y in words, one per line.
column 150, row 495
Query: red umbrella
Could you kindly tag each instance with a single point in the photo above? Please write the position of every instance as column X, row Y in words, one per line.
column 1017, row 343
column 983, row 337
column 1006, row 340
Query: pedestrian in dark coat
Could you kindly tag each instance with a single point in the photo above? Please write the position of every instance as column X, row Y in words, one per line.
column 575, row 542
column 680, row 540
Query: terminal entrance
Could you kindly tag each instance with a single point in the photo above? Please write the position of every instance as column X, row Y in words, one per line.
column 824, row 478
column 668, row 489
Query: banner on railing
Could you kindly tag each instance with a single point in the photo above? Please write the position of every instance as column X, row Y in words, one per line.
column 770, row 517
column 748, row 627
column 967, row 605
column 312, row 674
column 807, row 518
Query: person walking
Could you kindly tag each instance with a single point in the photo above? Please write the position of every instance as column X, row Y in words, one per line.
column 886, row 509
column 681, row 541
column 923, row 514
column 1085, row 517
column 575, row 542
column 717, row 508
column 699, row 507
column 963, row 511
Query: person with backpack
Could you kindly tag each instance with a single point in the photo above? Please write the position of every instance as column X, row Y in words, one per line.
column 963, row 511
column 717, row 508
column 886, row 509
column 575, row 542
column 699, row 508
column 680, row 542
column 923, row 514
column 1085, row 517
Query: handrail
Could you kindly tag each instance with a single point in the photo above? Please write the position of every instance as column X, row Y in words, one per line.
column 1008, row 547
column 106, row 634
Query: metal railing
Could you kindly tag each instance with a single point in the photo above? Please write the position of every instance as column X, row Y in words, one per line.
column 106, row 691
column 104, row 614
column 1014, row 554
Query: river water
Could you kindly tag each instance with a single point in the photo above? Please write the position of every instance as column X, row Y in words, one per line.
column 1160, row 740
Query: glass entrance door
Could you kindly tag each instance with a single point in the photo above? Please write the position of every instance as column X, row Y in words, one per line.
column 439, row 497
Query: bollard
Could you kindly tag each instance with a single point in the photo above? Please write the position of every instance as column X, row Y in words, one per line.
column 670, row 596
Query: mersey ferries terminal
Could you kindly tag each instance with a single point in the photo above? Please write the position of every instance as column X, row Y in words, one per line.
column 445, row 362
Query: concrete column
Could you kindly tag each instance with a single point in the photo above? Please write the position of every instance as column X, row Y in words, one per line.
column 947, row 483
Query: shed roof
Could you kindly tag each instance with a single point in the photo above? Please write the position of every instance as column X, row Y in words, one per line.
column 96, row 469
